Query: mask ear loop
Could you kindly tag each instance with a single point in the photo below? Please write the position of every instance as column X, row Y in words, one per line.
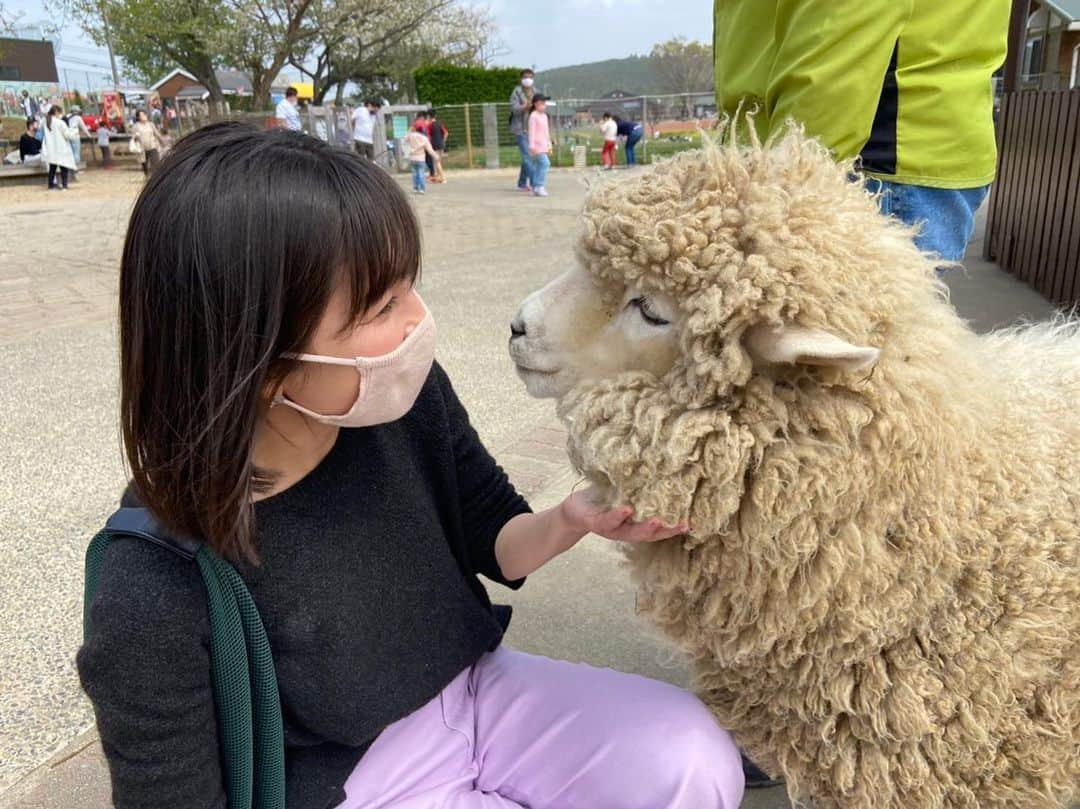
column 321, row 359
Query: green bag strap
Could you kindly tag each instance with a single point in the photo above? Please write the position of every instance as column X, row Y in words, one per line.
column 245, row 689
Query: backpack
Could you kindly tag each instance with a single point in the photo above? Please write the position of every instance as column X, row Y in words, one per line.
column 242, row 670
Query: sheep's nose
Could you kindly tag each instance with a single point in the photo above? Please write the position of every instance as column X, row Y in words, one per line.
column 517, row 328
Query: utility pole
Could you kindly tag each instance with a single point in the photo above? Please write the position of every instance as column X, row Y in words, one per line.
column 108, row 44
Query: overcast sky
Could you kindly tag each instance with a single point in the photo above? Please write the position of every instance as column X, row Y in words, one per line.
column 545, row 34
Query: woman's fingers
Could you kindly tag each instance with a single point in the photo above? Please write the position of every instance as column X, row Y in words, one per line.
column 608, row 522
column 651, row 530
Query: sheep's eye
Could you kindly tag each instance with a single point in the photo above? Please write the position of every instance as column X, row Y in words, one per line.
column 645, row 307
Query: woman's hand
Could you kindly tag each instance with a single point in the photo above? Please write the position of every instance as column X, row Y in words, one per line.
column 581, row 511
column 529, row 541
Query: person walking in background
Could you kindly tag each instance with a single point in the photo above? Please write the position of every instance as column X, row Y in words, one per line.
column 286, row 112
column 29, row 145
column 76, row 122
column 30, row 106
column 363, row 119
column 632, row 131
column 56, row 148
column 437, row 135
column 423, row 124
column 520, row 105
column 609, row 131
column 912, row 78
column 103, row 133
column 419, row 148
column 539, row 144
column 149, row 140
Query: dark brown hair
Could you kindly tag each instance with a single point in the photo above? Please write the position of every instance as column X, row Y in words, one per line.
column 233, row 250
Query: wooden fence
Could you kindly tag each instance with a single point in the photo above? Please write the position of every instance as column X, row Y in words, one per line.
column 1033, row 225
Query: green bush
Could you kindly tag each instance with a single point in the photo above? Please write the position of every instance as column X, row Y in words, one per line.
column 441, row 84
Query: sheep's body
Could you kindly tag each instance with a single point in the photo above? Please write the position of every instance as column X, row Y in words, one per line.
column 880, row 591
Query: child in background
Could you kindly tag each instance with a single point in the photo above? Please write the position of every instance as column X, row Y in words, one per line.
column 539, row 144
column 609, row 129
column 419, row 147
column 103, row 132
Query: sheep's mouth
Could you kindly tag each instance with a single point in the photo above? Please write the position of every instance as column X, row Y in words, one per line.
column 521, row 369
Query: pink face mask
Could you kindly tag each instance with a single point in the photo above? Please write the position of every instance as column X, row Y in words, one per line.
column 389, row 385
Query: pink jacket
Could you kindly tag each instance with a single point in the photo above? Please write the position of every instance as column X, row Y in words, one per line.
column 539, row 137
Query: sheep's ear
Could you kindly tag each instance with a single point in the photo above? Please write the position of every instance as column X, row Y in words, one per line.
column 794, row 345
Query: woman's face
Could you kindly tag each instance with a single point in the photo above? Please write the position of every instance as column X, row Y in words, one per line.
column 140, row 116
column 332, row 389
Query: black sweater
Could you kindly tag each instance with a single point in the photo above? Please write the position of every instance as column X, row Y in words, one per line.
column 368, row 591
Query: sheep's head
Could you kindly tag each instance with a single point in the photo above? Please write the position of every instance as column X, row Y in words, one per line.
column 711, row 289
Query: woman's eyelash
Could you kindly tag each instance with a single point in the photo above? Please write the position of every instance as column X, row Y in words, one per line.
column 390, row 305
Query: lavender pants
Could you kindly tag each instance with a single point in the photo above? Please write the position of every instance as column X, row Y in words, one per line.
column 516, row 730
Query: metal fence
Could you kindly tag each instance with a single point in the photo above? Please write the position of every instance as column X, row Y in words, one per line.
column 1033, row 225
column 479, row 136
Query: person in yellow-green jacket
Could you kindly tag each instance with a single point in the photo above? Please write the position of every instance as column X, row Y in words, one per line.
column 902, row 85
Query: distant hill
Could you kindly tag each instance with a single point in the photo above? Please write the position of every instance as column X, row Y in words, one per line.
column 597, row 79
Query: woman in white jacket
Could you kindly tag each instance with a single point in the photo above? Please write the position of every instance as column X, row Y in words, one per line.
column 56, row 148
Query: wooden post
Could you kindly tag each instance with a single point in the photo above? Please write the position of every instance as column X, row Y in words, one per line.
column 644, row 129
column 468, row 136
column 1014, row 59
column 491, row 137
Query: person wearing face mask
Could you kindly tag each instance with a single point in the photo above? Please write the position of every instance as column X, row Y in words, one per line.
column 520, row 106
column 307, row 435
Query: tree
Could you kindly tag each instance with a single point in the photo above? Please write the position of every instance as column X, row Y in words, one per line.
column 8, row 19
column 152, row 36
column 683, row 67
column 264, row 37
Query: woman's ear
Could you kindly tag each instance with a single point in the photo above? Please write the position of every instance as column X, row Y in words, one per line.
column 795, row 345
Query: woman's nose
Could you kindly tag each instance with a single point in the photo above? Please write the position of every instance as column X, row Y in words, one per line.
column 517, row 328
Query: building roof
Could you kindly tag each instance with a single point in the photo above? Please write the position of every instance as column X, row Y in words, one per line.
column 233, row 82
column 28, row 60
column 1068, row 9
column 178, row 72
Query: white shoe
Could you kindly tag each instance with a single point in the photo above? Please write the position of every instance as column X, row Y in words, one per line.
column 540, row 192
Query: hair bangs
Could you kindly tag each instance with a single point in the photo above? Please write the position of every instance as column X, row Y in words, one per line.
column 378, row 237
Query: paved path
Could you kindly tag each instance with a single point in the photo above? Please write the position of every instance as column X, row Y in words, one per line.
column 485, row 247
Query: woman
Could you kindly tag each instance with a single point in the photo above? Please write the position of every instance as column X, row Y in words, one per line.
column 632, row 131
column 76, row 122
column 280, row 400
column 520, row 106
column 56, row 148
column 149, row 140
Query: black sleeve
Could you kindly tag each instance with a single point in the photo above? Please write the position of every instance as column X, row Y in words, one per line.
column 488, row 500
column 146, row 669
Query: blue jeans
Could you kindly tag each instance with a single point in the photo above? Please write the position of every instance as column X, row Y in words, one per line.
column 419, row 174
column 631, row 142
column 525, row 175
column 946, row 216
column 540, row 165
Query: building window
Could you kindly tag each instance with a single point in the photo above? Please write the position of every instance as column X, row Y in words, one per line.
column 10, row 73
column 1033, row 57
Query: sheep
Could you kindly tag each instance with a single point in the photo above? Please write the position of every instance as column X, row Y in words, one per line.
column 879, row 588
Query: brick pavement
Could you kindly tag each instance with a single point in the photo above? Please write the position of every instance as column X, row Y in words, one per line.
column 59, row 253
